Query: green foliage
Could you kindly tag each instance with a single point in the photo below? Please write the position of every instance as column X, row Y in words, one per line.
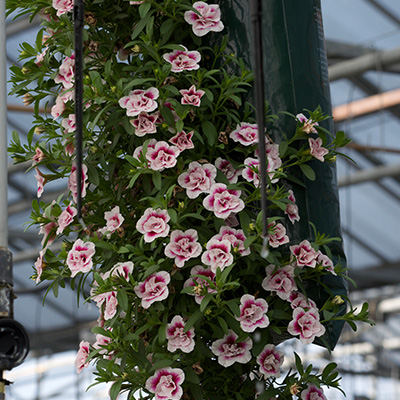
column 124, row 48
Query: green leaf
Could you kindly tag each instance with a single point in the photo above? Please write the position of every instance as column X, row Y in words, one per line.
column 299, row 365
column 249, row 240
column 223, row 325
column 204, row 302
column 283, row 146
column 328, row 369
column 156, row 176
column 173, row 215
column 234, row 307
column 193, row 319
column 162, row 333
column 115, row 389
column 166, row 113
column 191, row 376
column 210, row 132
column 308, row 171
column 144, row 9
column 139, row 27
column 193, row 215
column 122, row 298
column 196, row 392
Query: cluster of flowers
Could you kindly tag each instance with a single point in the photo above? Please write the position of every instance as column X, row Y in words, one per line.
column 160, row 255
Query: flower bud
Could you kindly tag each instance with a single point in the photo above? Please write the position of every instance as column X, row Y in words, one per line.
column 294, row 389
column 28, row 99
column 337, row 300
column 39, row 130
column 25, row 70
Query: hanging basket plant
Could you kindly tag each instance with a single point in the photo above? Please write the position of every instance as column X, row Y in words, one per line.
column 169, row 243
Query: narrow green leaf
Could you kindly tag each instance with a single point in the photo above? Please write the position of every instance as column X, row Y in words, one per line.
column 115, row 389
column 308, row 171
column 193, row 319
column 223, row 325
column 209, row 132
column 156, row 176
column 144, row 9
column 122, row 298
column 204, row 302
column 139, row 27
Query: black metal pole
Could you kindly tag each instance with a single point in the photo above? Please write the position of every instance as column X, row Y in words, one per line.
column 78, row 28
column 256, row 22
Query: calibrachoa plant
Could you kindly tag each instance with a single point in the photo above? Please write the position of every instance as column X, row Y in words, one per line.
column 169, row 242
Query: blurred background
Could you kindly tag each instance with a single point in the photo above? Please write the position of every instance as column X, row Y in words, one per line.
column 363, row 47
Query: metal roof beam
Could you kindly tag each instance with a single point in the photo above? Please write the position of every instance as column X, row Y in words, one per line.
column 359, row 65
column 372, row 174
column 385, row 11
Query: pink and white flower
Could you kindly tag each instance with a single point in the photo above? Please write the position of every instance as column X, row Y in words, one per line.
column 153, row 288
column 316, row 149
column 153, row 224
column 222, row 201
column 245, row 133
column 326, row 262
column 229, row 351
column 40, row 57
column 207, row 19
column 183, row 60
column 292, row 210
column 139, row 150
column 227, row 169
column 63, row 6
column 73, row 184
column 191, row 96
column 306, row 325
column 111, row 304
column 253, row 313
column 40, row 180
column 281, row 281
column 79, row 258
column 48, row 230
column 308, row 124
column 114, row 220
column 177, row 338
column 81, row 358
column 162, row 156
column 165, row 383
column 183, row 140
column 58, row 108
column 270, row 361
column 123, row 269
column 305, row 255
column 278, row 235
column 183, row 246
column 144, row 124
column 218, row 254
column 66, row 72
column 140, row 101
column 66, row 218
column 297, row 299
column 66, row 95
column 69, row 123
column 235, row 236
column 312, row 393
column 197, row 179
column 200, row 286
column 39, row 155
column 251, row 171
column 101, row 342
column 39, row 265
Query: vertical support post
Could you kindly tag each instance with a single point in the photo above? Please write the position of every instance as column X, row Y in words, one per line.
column 78, row 26
column 3, row 129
